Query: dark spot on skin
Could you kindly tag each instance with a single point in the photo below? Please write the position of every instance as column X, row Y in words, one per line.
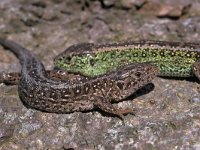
column 70, row 104
column 92, row 62
column 146, row 50
column 154, row 54
column 179, row 54
column 94, row 85
column 197, row 56
column 172, row 54
column 67, row 59
column 138, row 74
column 98, row 83
column 122, row 53
column 112, row 55
column 77, row 90
column 103, row 59
column 162, row 66
column 133, row 83
column 60, row 59
column 120, row 85
column 111, row 83
column 86, row 88
column 162, row 53
column 105, row 84
column 188, row 55
column 32, row 73
column 53, row 95
column 65, row 93
column 135, row 54
column 40, row 93
column 105, row 80
column 128, row 85
column 56, row 107
column 144, row 54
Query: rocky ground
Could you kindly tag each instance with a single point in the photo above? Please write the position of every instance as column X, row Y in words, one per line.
column 167, row 114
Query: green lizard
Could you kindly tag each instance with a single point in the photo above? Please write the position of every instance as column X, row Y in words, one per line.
column 174, row 59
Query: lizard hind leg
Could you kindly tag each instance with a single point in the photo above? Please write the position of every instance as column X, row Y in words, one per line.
column 107, row 107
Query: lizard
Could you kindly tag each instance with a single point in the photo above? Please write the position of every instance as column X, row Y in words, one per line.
column 39, row 91
column 173, row 59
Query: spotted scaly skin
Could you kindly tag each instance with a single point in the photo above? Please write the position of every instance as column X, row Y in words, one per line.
column 39, row 91
column 173, row 59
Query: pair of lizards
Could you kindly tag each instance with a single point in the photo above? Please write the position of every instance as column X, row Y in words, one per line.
column 109, row 73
